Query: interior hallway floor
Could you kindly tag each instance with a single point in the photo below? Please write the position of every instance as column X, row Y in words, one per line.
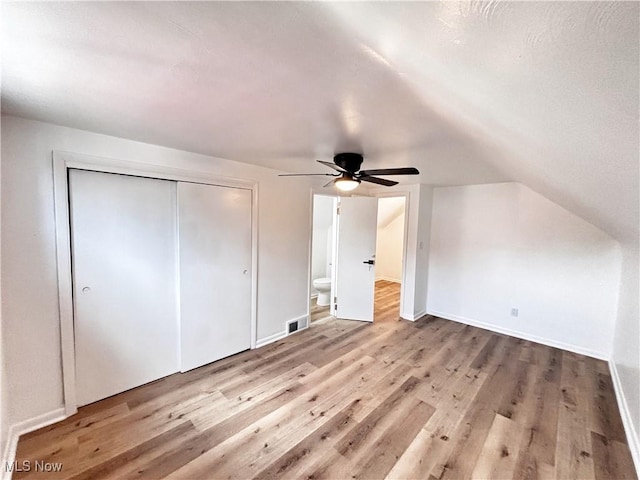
column 387, row 302
column 386, row 305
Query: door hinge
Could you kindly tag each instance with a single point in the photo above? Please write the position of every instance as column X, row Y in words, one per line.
column 338, row 210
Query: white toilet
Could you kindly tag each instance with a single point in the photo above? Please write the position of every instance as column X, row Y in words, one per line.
column 323, row 286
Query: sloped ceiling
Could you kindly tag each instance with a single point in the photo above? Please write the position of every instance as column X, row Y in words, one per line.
column 389, row 208
column 468, row 92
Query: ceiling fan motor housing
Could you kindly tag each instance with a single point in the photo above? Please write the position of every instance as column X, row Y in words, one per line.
column 348, row 161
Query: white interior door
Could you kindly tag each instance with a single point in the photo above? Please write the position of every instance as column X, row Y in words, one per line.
column 355, row 258
column 124, row 281
column 215, row 272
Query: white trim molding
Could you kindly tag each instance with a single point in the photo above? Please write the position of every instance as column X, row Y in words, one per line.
column 412, row 317
column 524, row 336
column 271, row 338
column 285, row 333
column 26, row 426
column 629, row 429
column 62, row 162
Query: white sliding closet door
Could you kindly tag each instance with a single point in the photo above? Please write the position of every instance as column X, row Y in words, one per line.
column 215, row 272
column 124, row 281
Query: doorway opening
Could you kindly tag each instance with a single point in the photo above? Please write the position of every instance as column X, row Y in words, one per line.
column 389, row 258
column 379, row 243
column 322, row 257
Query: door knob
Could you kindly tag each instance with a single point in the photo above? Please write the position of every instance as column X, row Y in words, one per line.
column 370, row 262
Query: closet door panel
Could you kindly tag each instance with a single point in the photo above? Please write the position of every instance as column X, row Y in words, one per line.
column 124, row 252
column 214, row 226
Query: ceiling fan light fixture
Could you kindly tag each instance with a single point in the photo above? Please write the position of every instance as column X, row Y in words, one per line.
column 346, row 183
column 349, row 174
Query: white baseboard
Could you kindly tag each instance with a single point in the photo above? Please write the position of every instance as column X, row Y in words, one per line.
column 280, row 335
column 525, row 336
column 271, row 338
column 629, row 428
column 389, row 279
column 412, row 317
column 21, row 428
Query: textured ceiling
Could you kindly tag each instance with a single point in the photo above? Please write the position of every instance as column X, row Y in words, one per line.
column 468, row 92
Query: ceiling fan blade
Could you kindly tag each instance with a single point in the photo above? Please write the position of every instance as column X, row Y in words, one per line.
column 331, row 165
column 330, row 183
column 308, row 174
column 391, row 171
column 379, row 181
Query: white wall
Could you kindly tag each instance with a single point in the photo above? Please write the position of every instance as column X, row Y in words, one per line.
column 501, row 246
column 322, row 222
column 4, row 399
column 626, row 347
column 389, row 246
column 4, row 409
column 29, row 284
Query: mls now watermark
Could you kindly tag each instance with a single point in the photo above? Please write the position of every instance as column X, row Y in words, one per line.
column 35, row 466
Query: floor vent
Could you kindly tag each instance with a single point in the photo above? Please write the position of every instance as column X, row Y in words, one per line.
column 292, row 326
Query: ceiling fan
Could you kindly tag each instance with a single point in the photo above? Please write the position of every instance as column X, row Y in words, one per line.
column 349, row 174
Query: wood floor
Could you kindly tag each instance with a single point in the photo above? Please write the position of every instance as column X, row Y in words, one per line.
column 432, row 399
column 318, row 312
column 386, row 304
column 387, row 301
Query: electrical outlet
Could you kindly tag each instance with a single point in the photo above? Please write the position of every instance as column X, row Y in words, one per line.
column 514, row 312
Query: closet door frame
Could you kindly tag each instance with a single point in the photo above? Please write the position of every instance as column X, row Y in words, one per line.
column 62, row 162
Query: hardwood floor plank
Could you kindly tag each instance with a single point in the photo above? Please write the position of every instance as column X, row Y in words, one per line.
column 47, row 444
column 359, row 436
column 162, row 461
column 431, row 444
column 529, row 467
column 102, row 469
column 611, row 459
column 603, row 419
column 253, row 448
column 574, row 455
column 500, row 450
column 384, row 453
column 466, row 442
column 540, row 414
column 313, row 448
column 54, row 453
column 486, row 354
column 543, row 427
